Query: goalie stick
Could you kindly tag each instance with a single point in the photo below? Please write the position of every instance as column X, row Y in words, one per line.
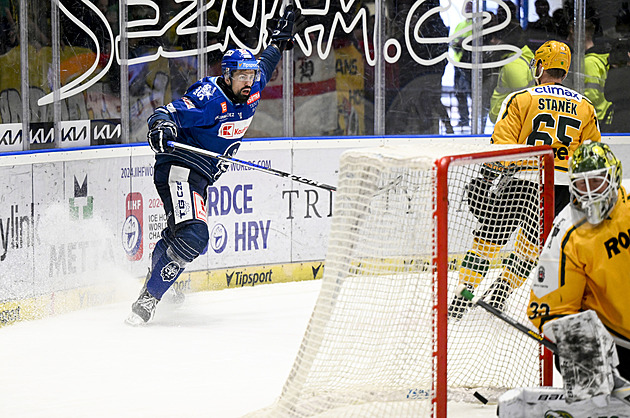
column 269, row 170
column 622, row 386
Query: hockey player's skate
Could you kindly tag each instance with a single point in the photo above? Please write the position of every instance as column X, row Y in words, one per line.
column 459, row 306
column 143, row 309
column 497, row 294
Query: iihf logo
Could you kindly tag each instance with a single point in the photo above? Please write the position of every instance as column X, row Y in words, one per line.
column 131, row 236
column 132, row 241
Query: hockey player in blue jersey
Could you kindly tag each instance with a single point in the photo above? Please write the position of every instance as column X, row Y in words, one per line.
column 213, row 114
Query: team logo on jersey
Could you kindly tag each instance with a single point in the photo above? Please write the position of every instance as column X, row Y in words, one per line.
column 253, row 97
column 189, row 104
column 223, row 107
column 541, row 274
column 204, row 92
column 169, row 272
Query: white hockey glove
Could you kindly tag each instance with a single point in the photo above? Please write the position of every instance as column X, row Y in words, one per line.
column 160, row 133
column 587, row 355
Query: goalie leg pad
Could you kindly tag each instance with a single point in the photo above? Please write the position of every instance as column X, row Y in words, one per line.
column 587, row 355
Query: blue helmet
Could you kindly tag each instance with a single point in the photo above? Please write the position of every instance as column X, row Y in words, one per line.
column 238, row 59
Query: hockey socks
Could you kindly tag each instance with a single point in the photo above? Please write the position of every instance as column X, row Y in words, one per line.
column 166, row 269
column 472, row 271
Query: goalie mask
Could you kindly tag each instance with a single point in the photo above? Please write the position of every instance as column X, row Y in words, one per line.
column 551, row 54
column 595, row 177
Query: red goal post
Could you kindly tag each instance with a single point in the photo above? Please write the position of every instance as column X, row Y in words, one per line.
column 441, row 261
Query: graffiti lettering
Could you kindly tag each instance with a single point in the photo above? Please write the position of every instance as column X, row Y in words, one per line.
column 185, row 21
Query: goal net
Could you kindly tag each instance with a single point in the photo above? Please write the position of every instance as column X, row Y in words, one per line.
column 387, row 336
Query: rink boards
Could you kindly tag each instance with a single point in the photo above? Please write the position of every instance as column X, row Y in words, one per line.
column 74, row 224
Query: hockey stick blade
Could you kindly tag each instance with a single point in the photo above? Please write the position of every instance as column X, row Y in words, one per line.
column 267, row 170
column 622, row 386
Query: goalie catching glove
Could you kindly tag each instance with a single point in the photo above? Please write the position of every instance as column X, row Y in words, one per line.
column 160, row 133
column 288, row 25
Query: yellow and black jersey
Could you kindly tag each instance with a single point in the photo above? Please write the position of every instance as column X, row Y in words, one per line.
column 584, row 267
column 548, row 114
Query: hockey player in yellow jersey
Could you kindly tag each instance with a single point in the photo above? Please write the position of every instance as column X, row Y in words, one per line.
column 545, row 114
column 549, row 114
column 584, row 262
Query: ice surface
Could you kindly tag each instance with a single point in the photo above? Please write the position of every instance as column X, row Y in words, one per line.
column 221, row 354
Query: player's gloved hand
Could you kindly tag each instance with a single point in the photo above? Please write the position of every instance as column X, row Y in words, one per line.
column 288, row 25
column 160, row 133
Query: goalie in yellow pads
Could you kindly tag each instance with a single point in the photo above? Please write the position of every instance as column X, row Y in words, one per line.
column 579, row 296
column 547, row 113
column 584, row 263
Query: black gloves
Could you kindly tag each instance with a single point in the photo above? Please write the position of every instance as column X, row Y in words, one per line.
column 288, row 25
column 160, row 133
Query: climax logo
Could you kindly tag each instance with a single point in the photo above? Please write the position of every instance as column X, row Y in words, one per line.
column 253, row 97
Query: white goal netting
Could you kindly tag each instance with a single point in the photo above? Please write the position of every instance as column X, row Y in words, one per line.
column 372, row 346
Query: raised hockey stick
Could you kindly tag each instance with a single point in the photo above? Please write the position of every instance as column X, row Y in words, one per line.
column 622, row 386
column 269, row 170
